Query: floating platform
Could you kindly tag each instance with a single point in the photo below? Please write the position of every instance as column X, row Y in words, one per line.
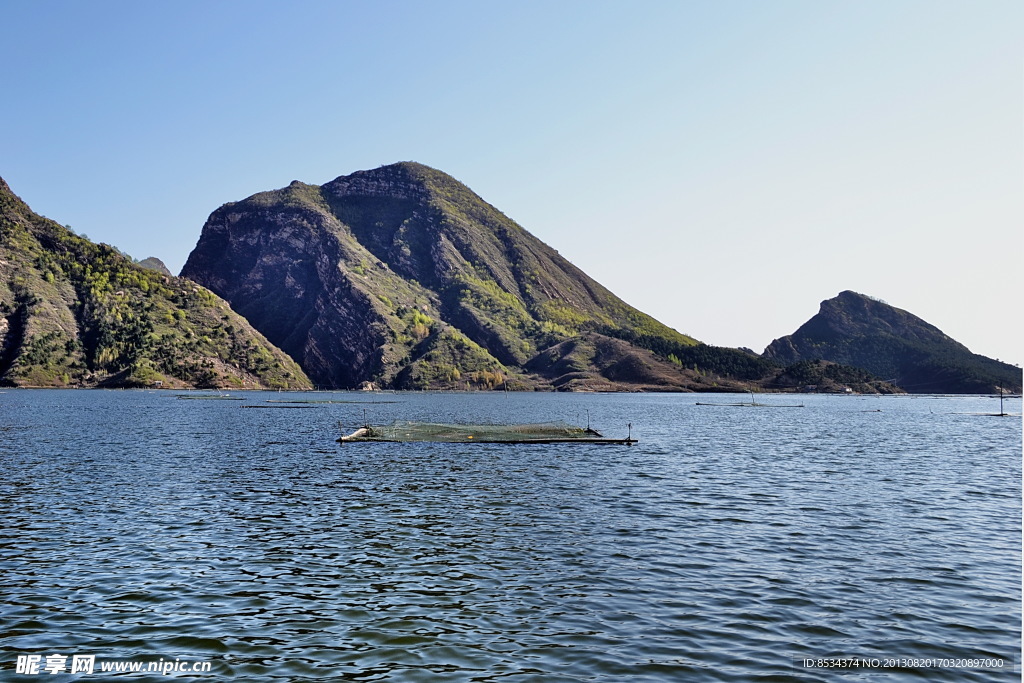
column 210, row 397
column 752, row 404
column 543, row 433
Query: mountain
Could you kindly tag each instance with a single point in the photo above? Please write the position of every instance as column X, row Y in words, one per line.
column 75, row 313
column 891, row 343
column 404, row 277
column 153, row 263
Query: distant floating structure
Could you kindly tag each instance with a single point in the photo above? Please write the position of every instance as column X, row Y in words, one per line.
column 210, row 397
column 752, row 404
column 1002, row 412
column 540, row 433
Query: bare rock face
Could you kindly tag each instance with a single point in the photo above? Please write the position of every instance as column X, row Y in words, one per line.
column 279, row 268
column 403, row 277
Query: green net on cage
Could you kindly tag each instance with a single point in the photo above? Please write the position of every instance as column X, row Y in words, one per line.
column 403, row 431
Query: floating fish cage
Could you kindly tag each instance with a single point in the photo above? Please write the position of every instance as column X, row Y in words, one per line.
column 545, row 432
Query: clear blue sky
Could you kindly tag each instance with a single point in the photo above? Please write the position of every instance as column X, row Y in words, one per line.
column 721, row 165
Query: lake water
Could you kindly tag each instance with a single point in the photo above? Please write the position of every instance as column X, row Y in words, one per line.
column 730, row 544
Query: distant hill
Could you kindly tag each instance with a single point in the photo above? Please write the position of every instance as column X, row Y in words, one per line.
column 74, row 313
column 404, row 277
column 153, row 263
column 857, row 330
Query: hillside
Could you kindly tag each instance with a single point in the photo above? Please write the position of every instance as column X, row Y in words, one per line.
column 74, row 313
column 404, row 277
column 891, row 343
column 153, row 263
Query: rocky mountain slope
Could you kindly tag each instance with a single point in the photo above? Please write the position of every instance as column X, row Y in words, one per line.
column 153, row 263
column 404, row 277
column 891, row 343
column 75, row 313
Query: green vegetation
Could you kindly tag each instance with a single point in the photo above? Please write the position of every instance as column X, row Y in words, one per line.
column 558, row 319
column 824, row 376
column 448, row 360
column 85, row 314
column 703, row 358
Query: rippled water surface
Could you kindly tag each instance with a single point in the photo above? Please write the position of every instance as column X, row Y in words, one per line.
column 728, row 545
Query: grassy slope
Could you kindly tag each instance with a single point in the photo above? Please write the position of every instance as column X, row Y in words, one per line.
column 75, row 313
